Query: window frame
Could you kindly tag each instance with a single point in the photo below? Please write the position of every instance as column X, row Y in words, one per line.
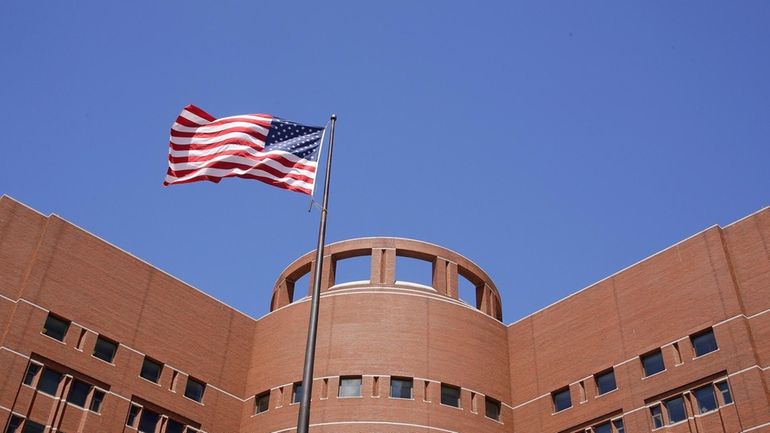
column 202, row 384
column 102, row 338
column 723, row 391
column 597, row 376
column 149, row 360
column 661, row 422
column 258, row 398
column 667, row 402
column 555, row 395
column 340, row 386
column 697, row 402
column 58, row 318
column 700, row 334
column 453, row 388
column 40, row 382
column 496, row 403
column 404, row 380
column 649, row 355
column 296, row 393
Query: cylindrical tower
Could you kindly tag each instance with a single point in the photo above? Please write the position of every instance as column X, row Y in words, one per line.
column 392, row 355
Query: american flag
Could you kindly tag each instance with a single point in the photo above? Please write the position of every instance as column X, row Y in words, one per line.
column 251, row 146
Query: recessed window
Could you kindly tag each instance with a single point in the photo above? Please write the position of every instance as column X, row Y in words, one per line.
column 604, row 427
column 49, row 381
column 605, row 382
column 725, row 391
column 657, row 416
column 173, row 426
column 96, row 401
column 296, row 392
column 561, row 400
column 32, row 371
column 133, row 411
column 675, row 409
column 262, row 402
column 350, row 387
column 13, row 424
column 450, row 395
column 151, row 370
column 704, row 342
column 105, row 349
column 705, row 398
column 55, row 327
column 653, row 363
column 492, row 408
column 148, row 421
column 401, row 387
column 33, row 427
column 618, row 424
column 194, row 389
column 78, row 393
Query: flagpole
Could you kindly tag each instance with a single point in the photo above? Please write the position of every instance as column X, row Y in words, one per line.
column 303, row 419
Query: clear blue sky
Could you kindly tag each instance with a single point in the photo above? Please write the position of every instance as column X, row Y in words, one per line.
column 553, row 143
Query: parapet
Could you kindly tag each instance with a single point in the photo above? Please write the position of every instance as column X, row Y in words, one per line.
column 447, row 267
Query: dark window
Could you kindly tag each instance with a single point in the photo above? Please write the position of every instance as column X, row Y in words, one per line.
column 657, row 416
column 148, row 421
column 96, row 400
column 132, row 413
column 33, row 427
column 105, row 349
column 350, row 387
column 263, row 402
column 296, row 394
column 603, row 428
column 401, row 387
column 561, row 400
column 32, row 371
column 605, row 382
column 725, row 391
column 194, row 389
column 173, row 426
column 49, row 381
column 704, row 342
column 151, row 370
column 675, row 408
column 55, row 327
column 492, row 408
column 450, row 395
column 78, row 393
column 13, row 424
column 618, row 423
column 653, row 363
column 706, row 399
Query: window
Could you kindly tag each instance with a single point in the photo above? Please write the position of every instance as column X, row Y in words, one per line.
column 132, row 413
column 262, row 402
column 605, row 382
column 148, row 421
column 32, row 371
column 704, row 342
column 725, row 391
column 653, row 363
column 618, row 424
column 33, row 427
column 96, row 400
column 450, row 395
column 705, row 398
column 350, row 387
column 78, row 393
column 401, row 387
column 55, row 327
column 604, row 427
column 13, row 424
column 561, row 400
column 194, row 389
column 296, row 395
column 675, row 409
column 492, row 408
column 173, row 426
column 49, row 382
column 105, row 349
column 657, row 416
column 151, row 370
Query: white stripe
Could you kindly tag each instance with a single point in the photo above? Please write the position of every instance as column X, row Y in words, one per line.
column 240, row 160
column 192, row 117
column 247, row 116
column 218, row 172
column 213, row 150
column 216, row 128
column 212, row 140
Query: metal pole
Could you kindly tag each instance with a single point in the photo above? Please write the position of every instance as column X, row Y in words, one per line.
column 303, row 419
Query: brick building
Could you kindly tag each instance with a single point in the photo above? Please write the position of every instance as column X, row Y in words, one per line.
column 95, row 340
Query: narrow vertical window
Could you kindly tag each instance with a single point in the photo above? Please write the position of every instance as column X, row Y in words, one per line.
column 704, row 342
column 96, row 401
column 450, row 395
column 474, row 403
column 350, row 387
column 32, row 370
column 657, row 416
column 174, row 380
column 375, row 386
column 296, row 394
column 582, row 391
column 426, row 394
column 133, row 412
column 55, row 327
column 724, row 390
column 14, row 424
column 81, row 339
column 325, row 388
column 677, row 354
column 653, row 363
column 561, row 399
column 618, row 424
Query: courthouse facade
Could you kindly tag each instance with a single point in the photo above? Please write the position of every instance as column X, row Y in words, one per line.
column 92, row 339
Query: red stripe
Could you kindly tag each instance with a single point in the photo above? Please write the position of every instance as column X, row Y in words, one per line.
column 241, row 141
column 245, row 176
column 187, row 122
column 227, row 165
column 265, row 123
column 256, row 158
column 253, row 133
column 200, row 113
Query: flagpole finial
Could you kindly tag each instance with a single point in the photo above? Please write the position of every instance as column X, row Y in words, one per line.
column 334, row 117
